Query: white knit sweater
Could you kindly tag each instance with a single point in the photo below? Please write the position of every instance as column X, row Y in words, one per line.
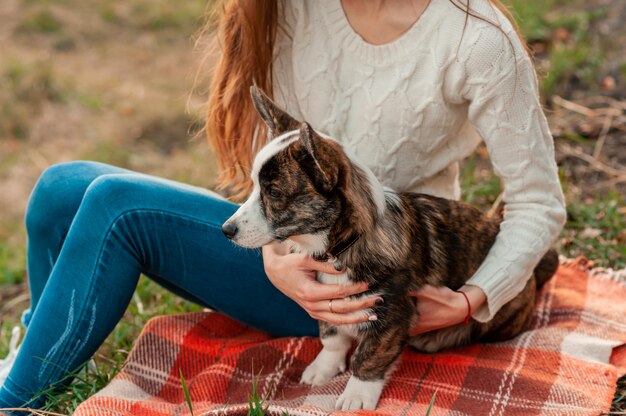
column 412, row 109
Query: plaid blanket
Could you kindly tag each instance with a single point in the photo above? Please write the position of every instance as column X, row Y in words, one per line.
column 567, row 363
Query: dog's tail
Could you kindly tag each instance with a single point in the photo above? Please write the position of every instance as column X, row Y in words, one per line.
column 547, row 267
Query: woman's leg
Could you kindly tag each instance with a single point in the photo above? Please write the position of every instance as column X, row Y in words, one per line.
column 51, row 208
column 127, row 224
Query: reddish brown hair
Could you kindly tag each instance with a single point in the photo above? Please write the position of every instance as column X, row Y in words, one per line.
column 246, row 34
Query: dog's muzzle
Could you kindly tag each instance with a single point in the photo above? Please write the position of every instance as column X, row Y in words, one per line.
column 247, row 227
column 230, row 229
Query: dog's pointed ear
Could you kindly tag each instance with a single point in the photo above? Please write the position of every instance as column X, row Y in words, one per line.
column 277, row 119
column 323, row 174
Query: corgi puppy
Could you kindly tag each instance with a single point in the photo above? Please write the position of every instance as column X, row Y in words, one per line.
column 308, row 193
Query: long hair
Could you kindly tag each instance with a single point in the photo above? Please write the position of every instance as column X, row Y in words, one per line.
column 246, row 34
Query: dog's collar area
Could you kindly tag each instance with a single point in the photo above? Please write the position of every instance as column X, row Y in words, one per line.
column 336, row 250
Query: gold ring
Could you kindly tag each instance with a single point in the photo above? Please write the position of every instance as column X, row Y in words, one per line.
column 330, row 306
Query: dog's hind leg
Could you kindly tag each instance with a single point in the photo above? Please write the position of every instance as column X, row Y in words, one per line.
column 441, row 339
column 332, row 358
column 373, row 361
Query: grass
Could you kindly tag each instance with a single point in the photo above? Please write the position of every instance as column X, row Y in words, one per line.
column 155, row 15
column 67, row 63
column 12, row 264
column 480, row 186
column 257, row 405
column 28, row 88
column 42, row 21
column 597, row 226
column 431, row 404
column 186, row 391
column 84, row 383
column 76, row 387
column 571, row 51
column 568, row 63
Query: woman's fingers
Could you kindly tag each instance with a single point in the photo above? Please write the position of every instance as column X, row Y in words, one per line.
column 316, row 297
column 345, row 305
column 344, row 319
column 316, row 291
column 322, row 266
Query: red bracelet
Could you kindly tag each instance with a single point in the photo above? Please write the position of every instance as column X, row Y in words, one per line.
column 469, row 307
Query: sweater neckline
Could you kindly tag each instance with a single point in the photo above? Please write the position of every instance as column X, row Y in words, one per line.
column 385, row 53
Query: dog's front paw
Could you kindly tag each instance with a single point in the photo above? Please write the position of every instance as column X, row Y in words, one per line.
column 360, row 394
column 326, row 365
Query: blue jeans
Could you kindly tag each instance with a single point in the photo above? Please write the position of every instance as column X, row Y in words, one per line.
column 92, row 230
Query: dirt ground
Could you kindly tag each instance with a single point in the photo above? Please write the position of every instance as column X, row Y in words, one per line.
column 97, row 81
column 593, row 109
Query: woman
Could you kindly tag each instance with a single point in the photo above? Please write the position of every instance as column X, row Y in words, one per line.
column 409, row 86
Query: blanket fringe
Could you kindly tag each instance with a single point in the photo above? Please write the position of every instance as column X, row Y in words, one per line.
column 604, row 273
column 609, row 274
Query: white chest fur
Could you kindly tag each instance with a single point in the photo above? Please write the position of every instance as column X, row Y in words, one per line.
column 350, row 330
column 334, row 279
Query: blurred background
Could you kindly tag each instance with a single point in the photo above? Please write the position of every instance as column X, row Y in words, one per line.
column 122, row 82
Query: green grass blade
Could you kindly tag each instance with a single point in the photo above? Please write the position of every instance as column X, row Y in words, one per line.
column 432, row 403
column 256, row 403
column 186, row 390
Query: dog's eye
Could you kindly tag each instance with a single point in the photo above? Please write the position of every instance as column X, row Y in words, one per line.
column 274, row 193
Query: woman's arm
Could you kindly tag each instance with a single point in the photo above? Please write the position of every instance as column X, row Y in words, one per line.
column 504, row 107
column 499, row 84
column 440, row 307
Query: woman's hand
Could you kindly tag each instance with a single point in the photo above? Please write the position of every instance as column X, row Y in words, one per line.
column 440, row 307
column 295, row 275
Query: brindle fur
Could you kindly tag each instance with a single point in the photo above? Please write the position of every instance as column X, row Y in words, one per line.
column 419, row 240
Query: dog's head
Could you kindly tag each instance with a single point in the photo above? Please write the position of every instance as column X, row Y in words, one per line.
column 300, row 185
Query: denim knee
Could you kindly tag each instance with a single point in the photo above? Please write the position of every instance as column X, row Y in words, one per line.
column 110, row 196
column 56, row 196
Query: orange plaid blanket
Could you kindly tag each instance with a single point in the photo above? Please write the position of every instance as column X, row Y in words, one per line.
column 567, row 363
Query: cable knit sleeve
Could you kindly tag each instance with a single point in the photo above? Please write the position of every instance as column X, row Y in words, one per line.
column 501, row 88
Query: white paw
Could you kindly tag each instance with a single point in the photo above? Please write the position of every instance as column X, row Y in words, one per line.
column 360, row 394
column 326, row 365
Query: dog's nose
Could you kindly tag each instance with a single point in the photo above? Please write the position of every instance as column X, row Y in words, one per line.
column 230, row 229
